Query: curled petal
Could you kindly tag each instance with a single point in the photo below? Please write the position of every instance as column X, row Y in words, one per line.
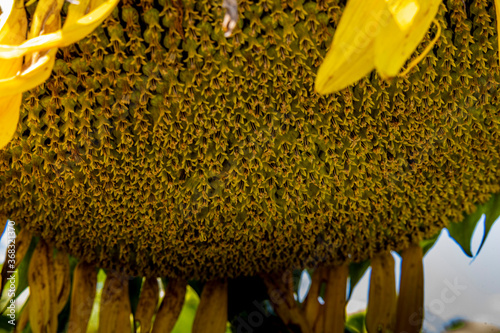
column 422, row 55
column 9, row 116
column 13, row 26
column 46, row 18
column 71, row 32
column 406, row 27
column 34, row 75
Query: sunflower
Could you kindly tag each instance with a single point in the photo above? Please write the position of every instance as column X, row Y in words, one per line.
column 188, row 155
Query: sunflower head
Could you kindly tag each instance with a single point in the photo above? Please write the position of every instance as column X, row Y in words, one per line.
column 160, row 148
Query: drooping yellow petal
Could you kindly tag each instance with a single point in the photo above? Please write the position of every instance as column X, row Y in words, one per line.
column 22, row 243
column 62, row 280
column 82, row 296
column 381, row 310
column 42, row 315
column 211, row 315
column 427, row 49
column 34, row 75
column 311, row 305
column 148, row 301
column 410, row 304
column 114, row 315
column 9, row 116
column 13, row 26
column 406, row 27
column 351, row 55
column 40, row 50
column 403, row 12
column 24, row 318
column 335, row 300
column 76, row 11
column 171, row 306
column 70, row 33
column 46, row 19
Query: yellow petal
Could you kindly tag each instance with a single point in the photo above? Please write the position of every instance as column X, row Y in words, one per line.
column 335, row 300
column 76, row 11
column 403, row 12
column 352, row 51
column 114, row 315
column 46, row 18
column 34, row 75
column 13, row 26
column 62, row 280
column 148, row 301
column 171, row 306
column 82, row 296
column 410, row 303
column 406, row 27
column 42, row 315
column 69, row 34
column 211, row 315
column 381, row 310
column 22, row 243
column 332, row 78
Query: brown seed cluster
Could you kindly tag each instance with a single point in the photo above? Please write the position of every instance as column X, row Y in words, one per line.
column 160, row 147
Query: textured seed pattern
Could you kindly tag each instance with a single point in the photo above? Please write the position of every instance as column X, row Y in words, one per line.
column 160, row 146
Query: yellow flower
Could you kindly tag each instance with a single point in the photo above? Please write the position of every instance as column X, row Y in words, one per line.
column 375, row 34
column 44, row 37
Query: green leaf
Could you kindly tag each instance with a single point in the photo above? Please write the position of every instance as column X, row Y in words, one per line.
column 492, row 212
column 356, row 323
column 356, row 272
column 427, row 244
column 462, row 232
column 186, row 318
column 21, row 276
column 4, row 324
